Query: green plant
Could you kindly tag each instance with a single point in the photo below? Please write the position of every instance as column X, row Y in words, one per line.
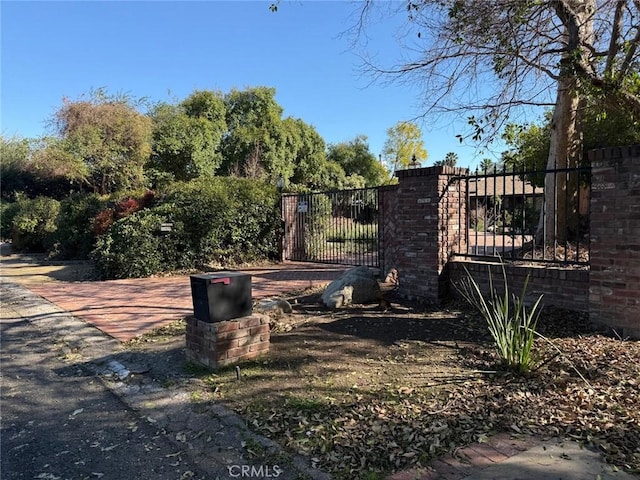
column 74, row 236
column 132, row 248
column 511, row 323
column 8, row 210
column 34, row 224
column 218, row 220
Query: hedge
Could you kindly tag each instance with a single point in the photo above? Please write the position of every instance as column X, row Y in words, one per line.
column 220, row 221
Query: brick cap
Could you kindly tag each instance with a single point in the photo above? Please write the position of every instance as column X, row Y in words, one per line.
column 264, row 319
column 613, row 152
column 428, row 171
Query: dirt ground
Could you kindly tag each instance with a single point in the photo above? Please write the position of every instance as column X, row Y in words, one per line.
column 371, row 390
column 334, row 352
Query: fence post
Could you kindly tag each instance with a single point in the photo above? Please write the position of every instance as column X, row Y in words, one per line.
column 428, row 211
column 614, row 279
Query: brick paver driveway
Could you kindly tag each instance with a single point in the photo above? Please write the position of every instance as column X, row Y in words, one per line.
column 127, row 308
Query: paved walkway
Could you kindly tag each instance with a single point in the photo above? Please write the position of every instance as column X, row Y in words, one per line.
column 127, row 308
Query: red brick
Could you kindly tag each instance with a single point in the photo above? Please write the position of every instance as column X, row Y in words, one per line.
column 445, row 471
column 260, row 329
column 488, row 451
column 259, row 347
column 227, row 326
column 248, row 340
column 248, row 322
column 233, row 334
column 236, row 352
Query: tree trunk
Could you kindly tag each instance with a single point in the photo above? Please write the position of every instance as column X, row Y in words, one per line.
column 559, row 218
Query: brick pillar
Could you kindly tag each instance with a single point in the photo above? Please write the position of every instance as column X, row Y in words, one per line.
column 614, row 279
column 293, row 248
column 387, row 239
column 225, row 343
column 429, row 211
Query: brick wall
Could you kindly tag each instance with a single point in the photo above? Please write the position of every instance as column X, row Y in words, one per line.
column 615, row 239
column 561, row 287
column 224, row 343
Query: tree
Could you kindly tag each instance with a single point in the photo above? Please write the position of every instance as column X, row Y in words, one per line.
column 450, row 160
column 37, row 167
column 583, row 49
column 487, row 165
column 529, row 144
column 307, row 150
column 355, row 159
column 255, row 132
column 404, row 141
column 105, row 140
column 187, row 137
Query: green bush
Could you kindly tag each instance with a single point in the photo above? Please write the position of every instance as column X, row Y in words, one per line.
column 217, row 221
column 132, row 247
column 74, row 236
column 34, row 224
column 8, row 211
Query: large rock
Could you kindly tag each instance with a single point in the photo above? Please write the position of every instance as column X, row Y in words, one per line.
column 356, row 285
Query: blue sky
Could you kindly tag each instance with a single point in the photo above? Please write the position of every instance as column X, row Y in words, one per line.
column 166, row 50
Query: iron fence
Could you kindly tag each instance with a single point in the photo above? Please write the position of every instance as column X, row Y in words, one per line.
column 529, row 215
column 339, row 227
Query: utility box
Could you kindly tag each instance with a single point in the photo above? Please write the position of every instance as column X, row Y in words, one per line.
column 221, row 296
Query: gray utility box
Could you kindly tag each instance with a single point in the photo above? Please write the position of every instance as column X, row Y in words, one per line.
column 221, row 296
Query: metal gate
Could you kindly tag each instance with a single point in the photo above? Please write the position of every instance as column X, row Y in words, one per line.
column 340, row 227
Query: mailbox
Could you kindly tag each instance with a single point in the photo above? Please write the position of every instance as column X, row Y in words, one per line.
column 221, row 296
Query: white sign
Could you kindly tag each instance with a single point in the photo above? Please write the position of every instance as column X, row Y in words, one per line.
column 303, row 206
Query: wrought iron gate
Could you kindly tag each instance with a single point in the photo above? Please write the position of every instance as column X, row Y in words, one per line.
column 340, row 227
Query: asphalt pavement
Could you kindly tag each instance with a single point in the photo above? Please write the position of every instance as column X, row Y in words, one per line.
column 67, row 415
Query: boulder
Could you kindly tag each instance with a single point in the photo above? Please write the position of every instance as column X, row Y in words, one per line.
column 356, row 285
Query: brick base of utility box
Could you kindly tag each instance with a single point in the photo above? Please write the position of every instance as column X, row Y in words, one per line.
column 225, row 343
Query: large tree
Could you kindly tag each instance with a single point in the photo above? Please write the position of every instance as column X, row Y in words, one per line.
column 187, row 136
column 104, row 139
column 307, row 151
column 256, row 137
column 355, row 158
column 403, row 144
column 488, row 59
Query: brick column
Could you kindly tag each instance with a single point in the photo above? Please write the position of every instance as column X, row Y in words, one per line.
column 614, row 280
column 387, row 238
column 293, row 248
column 225, row 343
column 429, row 210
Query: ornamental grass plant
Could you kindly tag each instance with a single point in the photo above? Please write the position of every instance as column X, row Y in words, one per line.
column 511, row 322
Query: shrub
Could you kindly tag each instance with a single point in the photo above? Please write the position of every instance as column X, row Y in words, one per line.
column 34, row 224
column 8, row 211
column 103, row 221
column 131, row 248
column 220, row 220
column 511, row 323
column 228, row 219
column 75, row 237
